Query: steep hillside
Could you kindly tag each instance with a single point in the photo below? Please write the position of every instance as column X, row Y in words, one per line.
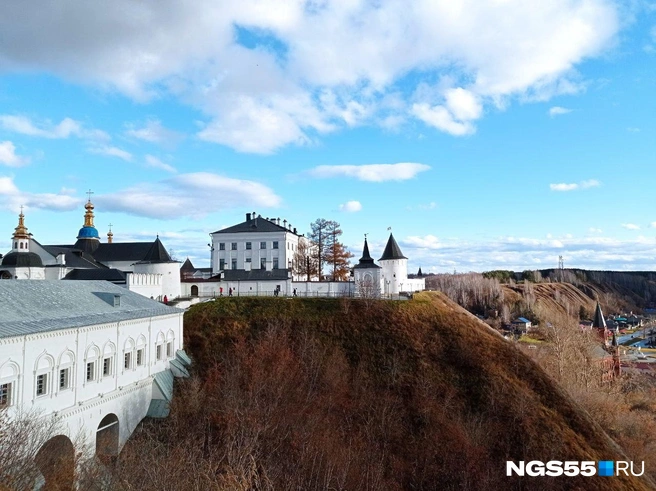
column 320, row 393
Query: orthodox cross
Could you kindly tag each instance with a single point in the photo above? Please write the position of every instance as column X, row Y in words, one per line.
column 89, row 193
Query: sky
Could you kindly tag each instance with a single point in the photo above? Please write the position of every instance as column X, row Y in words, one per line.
column 487, row 134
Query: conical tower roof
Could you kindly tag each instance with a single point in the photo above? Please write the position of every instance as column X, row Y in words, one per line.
column 392, row 250
column 187, row 266
column 157, row 253
column 366, row 261
column 598, row 321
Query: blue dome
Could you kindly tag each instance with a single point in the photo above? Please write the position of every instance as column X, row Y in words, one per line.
column 88, row 233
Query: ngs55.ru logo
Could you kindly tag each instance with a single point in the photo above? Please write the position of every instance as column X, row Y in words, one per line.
column 555, row 468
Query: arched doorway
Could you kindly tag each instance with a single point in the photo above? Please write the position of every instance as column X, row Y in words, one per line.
column 56, row 462
column 5, row 275
column 194, row 290
column 107, row 438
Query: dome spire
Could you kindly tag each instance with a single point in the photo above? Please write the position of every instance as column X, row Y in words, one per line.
column 88, row 231
column 88, row 215
column 20, row 232
column 110, row 235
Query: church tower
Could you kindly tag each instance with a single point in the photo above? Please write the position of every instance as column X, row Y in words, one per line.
column 394, row 268
column 88, row 238
column 367, row 275
column 20, row 263
column 599, row 324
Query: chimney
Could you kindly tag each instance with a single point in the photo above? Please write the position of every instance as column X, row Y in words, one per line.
column 278, row 221
column 295, row 231
column 290, row 226
column 284, row 223
column 248, row 217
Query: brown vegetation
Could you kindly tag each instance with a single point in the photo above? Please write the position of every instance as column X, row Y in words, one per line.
column 398, row 395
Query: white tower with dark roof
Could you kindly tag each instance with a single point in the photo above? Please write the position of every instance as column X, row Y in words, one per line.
column 367, row 275
column 394, row 264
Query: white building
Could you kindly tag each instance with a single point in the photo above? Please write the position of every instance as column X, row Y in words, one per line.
column 390, row 278
column 255, row 244
column 95, row 354
column 143, row 267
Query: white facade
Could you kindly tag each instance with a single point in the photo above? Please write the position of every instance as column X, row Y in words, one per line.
column 248, row 248
column 86, row 372
column 169, row 272
column 394, row 276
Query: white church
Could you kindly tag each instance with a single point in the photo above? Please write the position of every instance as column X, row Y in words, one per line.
column 142, row 267
column 95, row 355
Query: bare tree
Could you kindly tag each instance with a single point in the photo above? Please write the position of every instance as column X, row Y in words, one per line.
column 305, row 262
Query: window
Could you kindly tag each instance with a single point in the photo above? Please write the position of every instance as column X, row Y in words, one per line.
column 275, row 244
column 262, row 245
column 159, row 351
column 248, row 246
column 221, row 264
column 127, row 360
column 140, row 357
column 5, row 395
column 275, row 263
column 42, row 384
column 107, row 367
column 248, row 259
column 91, row 369
column 64, row 378
column 262, row 263
column 234, row 264
column 233, row 246
column 169, row 349
column 222, row 246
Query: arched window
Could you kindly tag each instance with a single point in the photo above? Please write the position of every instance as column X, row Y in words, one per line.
column 9, row 373
column 159, row 347
column 65, row 371
column 109, row 354
column 128, row 354
column 91, row 359
column 43, row 369
column 141, row 351
column 170, row 344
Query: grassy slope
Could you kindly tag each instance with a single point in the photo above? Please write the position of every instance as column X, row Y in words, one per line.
column 468, row 401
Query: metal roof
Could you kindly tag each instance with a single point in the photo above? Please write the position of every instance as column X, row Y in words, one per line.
column 257, row 224
column 36, row 306
column 598, row 321
column 392, row 250
column 366, row 261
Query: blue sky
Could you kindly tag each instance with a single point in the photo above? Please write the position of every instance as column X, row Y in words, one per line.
column 487, row 134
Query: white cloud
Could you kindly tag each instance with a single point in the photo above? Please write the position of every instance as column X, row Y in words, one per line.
column 189, row 195
column 652, row 225
column 8, row 155
column 440, row 118
column 154, row 162
column 590, row 183
column 587, row 184
column 112, row 151
column 269, row 94
column 520, row 253
column 594, row 230
column 631, row 226
column 557, row 111
column 371, row 173
column 66, row 128
column 350, row 206
column 11, row 198
column 153, row 132
column 563, row 187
